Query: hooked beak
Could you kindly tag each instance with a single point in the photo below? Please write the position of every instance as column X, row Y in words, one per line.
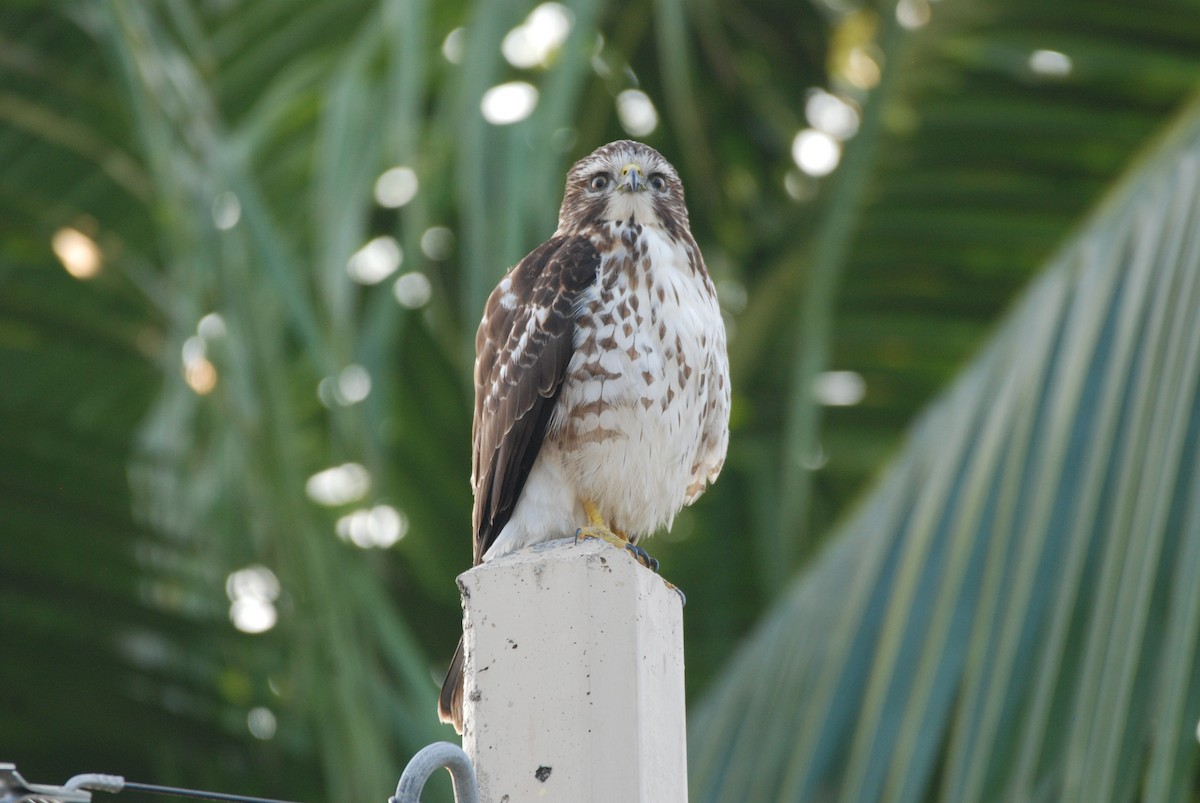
column 632, row 179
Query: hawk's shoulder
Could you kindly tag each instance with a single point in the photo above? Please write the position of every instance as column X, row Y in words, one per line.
column 523, row 346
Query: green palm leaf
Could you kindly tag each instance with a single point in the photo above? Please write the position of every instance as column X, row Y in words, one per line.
column 1011, row 615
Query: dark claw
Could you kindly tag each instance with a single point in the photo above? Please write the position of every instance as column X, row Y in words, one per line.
column 643, row 558
column 682, row 596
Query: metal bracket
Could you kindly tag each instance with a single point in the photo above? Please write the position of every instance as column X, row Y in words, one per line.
column 15, row 789
column 425, row 762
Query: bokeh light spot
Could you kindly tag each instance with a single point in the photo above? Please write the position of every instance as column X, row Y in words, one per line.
column 375, row 261
column 816, row 152
column 339, row 485
column 437, row 242
column 226, row 211
column 211, row 326
column 840, row 388
column 636, row 112
column 378, row 527
column 78, row 252
column 198, row 372
column 413, row 290
column 354, row 384
column 534, row 42
column 862, row 69
column 831, row 114
column 396, row 186
column 260, row 721
column 201, row 376
column 252, row 592
column 913, row 14
column 454, row 45
column 1051, row 63
column 509, row 103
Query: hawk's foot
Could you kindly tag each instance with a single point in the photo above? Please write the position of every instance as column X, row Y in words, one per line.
column 619, row 540
column 597, row 527
column 642, row 557
column 601, row 532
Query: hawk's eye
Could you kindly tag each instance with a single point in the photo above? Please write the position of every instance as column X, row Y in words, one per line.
column 657, row 182
column 599, row 181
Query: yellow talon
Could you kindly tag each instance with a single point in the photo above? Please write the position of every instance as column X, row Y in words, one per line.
column 597, row 527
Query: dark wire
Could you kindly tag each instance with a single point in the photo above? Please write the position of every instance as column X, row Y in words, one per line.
column 177, row 792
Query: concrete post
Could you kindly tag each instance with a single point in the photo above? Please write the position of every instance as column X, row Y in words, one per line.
column 574, row 678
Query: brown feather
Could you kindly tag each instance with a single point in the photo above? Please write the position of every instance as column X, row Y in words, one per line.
column 516, row 387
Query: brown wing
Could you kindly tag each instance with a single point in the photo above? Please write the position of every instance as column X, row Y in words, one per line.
column 524, row 343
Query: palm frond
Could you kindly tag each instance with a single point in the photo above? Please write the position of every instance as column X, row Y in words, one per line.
column 1010, row 614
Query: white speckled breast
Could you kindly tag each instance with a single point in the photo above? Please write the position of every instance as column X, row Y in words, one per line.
column 644, row 411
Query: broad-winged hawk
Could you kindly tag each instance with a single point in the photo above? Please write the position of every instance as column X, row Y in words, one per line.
column 601, row 378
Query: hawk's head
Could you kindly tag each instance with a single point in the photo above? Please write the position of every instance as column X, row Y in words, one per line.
column 623, row 180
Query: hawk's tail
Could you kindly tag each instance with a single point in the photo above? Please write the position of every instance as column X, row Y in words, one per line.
column 450, row 702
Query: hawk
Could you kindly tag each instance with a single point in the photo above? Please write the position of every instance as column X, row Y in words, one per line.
column 601, row 377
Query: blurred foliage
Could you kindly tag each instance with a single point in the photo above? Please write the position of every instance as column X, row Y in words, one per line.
column 1012, row 614
column 223, row 155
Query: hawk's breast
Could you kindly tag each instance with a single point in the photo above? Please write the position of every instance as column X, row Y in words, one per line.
column 642, row 419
